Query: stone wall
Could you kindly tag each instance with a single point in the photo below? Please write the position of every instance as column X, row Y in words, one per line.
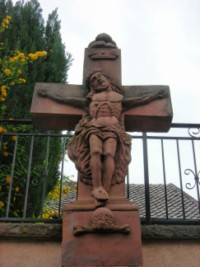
column 26, row 253
column 39, row 245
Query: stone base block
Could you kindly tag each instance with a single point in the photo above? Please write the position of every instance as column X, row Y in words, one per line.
column 107, row 236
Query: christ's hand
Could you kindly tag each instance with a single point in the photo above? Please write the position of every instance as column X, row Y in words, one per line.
column 42, row 92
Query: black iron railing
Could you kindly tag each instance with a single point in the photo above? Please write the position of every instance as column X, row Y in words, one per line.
column 163, row 178
column 171, row 164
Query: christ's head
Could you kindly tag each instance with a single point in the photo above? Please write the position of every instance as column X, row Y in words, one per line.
column 97, row 82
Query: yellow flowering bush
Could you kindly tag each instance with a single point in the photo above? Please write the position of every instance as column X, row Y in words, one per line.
column 12, row 71
column 51, row 205
column 12, row 66
column 5, row 22
column 4, row 188
column 2, row 204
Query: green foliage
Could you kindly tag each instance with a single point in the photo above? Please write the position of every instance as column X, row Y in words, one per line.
column 56, row 67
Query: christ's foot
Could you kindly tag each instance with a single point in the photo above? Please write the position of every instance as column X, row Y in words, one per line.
column 100, row 194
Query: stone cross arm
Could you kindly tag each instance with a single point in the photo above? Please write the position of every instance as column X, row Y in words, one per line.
column 63, row 105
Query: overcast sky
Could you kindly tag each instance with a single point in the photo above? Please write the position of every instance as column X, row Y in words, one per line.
column 159, row 39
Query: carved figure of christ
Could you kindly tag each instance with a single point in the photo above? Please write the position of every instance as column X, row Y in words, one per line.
column 100, row 147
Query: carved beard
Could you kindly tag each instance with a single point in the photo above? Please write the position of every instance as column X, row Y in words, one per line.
column 102, row 88
column 99, row 89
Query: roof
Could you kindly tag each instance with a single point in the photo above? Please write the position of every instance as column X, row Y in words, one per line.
column 179, row 205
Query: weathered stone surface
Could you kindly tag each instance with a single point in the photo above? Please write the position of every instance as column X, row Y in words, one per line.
column 50, row 115
column 31, row 231
column 54, row 231
column 171, row 232
column 100, row 247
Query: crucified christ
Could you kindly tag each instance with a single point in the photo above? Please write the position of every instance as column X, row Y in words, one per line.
column 100, row 147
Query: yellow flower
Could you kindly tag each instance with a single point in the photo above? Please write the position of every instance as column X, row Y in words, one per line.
column 21, row 80
column 5, row 153
column 14, row 138
column 41, row 53
column 8, row 179
column 19, row 71
column 8, row 17
column 31, row 55
column 17, row 189
column 66, row 189
column 13, row 59
column 2, row 99
column 2, row 130
column 54, row 213
column 75, row 190
column 1, row 204
column 7, row 71
column 21, row 55
column 6, row 21
column 3, row 92
column 34, row 57
column 45, row 216
column 3, row 87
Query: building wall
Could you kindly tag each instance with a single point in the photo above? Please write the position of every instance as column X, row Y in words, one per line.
column 48, row 254
column 30, row 253
column 34, row 246
column 174, row 253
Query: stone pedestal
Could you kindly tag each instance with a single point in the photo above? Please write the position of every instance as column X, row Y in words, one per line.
column 86, row 243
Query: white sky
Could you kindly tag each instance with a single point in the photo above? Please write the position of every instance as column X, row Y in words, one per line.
column 159, row 39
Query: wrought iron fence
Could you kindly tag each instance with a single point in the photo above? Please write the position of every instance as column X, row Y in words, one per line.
column 163, row 178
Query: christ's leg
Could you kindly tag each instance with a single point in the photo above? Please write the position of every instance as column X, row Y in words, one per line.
column 109, row 150
column 98, row 192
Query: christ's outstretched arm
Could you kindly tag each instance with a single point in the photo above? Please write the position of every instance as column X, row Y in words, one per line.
column 79, row 102
column 132, row 102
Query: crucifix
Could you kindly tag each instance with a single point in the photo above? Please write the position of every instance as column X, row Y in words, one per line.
column 101, row 111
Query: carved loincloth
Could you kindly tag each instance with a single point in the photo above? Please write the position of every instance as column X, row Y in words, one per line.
column 78, row 149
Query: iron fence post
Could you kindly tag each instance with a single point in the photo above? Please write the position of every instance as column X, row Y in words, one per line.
column 146, row 179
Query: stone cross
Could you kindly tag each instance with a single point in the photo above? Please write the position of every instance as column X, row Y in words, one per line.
column 61, row 106
column 100, row 111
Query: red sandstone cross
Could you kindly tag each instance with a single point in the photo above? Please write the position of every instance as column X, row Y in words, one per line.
column 102, row 54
